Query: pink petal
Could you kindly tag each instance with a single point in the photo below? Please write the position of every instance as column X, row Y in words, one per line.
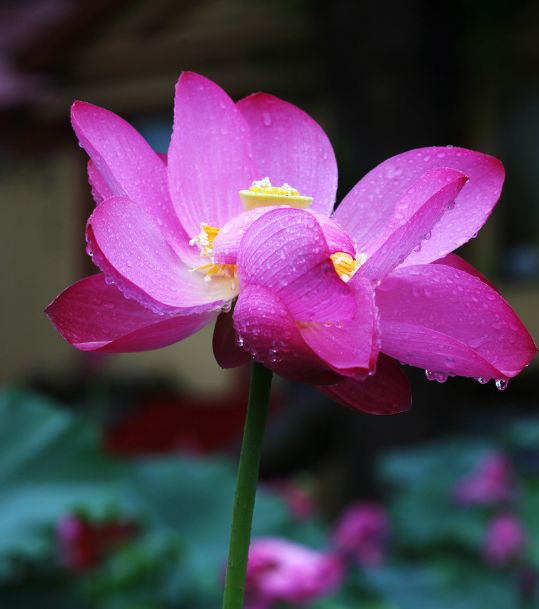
column 94, row 316
column 227, row 243
column 459, row 263
column 101, row 190
column 286, row 253
column 445, row 320
column 226, row 350
column 289, row 146
column 124, row 164
column 371, row 203
column 349, row 346
column 209, row 156
column 266, row 330
column 100, row 187
column 428, row 197
column 128, row 246
column 386, row 392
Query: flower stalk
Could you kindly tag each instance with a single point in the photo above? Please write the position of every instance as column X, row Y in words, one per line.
column 244, row 500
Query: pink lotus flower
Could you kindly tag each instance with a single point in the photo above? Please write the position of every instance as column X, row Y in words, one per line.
column 491, row 482
column 505, row 540
column 362, row 533
column 332, row 300
column 282, row 571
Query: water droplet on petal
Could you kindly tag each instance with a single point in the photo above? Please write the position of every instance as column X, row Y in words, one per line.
column 439, row 377
column 501, row 384
column 482, row 379
column 266, row 119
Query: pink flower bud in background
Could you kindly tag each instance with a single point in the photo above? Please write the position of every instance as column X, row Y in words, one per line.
column 490, row 483
column 362, row 533
column 505, row 540
column 279, row 571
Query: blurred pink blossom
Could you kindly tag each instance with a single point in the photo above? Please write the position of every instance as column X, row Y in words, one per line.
column 505, row 540
column 490, row 483
column 279, row 571
column 362, row 533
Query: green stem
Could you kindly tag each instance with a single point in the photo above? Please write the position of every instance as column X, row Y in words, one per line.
column 244, row 500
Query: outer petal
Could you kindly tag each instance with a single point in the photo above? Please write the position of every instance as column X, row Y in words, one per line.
column 226, row 350
column 267, row 331
column 94, row 316
column 285, row 252
column 386, row 392
column 100, row 187
column 429, row 197
column 459, row 263
column 371, row 203
column 124, row 164
column 349, row 345
column 289, row 146
column 128, row 246
column 209, row 156
column 446, row 320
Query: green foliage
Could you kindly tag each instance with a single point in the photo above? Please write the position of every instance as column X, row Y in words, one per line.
column 445, row 584
column 52, row 465
column 420, row 483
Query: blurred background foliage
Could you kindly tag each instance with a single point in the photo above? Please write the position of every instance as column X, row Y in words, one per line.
column 83, row 528
column 116, row 473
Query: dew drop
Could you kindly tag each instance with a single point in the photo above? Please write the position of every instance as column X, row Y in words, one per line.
column 501, row 384
column 266, row 119
column 482, row 379
column 439, row 377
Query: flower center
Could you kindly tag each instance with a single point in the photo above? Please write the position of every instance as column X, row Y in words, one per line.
column 205, row 240
column 263, row 194
column 346, row 265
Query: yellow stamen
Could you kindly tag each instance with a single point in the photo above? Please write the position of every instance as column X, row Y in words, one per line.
column 262, row 193
column 205, row 242
column 346, row 265
column 205, row 239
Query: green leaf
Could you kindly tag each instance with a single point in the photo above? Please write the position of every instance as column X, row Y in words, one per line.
column 444, row 585
column 50, row 465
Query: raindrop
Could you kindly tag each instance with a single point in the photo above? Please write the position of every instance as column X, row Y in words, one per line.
column 266, row 119
column 482, row 379
column 440, row 377
column 393, row 172
column 501, row 384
